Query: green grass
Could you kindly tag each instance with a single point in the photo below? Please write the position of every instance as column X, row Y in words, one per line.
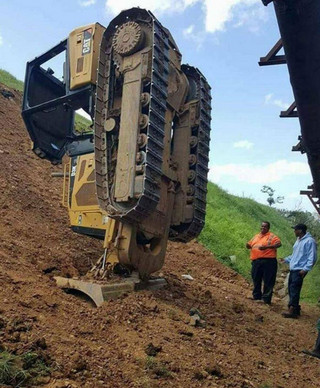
column 24, row 370
column 157, row 368
column 81, row 124
column 231, row 221
column 9, row 80
column 11, row 372
column 311, row 285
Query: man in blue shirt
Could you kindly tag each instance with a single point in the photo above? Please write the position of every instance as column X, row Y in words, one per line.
column 301, row 261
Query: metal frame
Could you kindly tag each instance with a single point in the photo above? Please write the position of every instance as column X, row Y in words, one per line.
column 272, row 58
column 310, row 195
column 71, row 100
column 290, row 112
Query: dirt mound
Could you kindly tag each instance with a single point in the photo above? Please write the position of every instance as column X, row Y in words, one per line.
column 145, row 339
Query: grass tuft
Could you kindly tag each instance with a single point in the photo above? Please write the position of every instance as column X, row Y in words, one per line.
column 157, row 368
column 22, row 370
column 11, row 372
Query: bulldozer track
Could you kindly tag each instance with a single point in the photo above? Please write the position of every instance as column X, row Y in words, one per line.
column 201, row 151
column 157, row 88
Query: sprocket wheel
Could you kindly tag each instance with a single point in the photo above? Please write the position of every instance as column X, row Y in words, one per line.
column 127, row 38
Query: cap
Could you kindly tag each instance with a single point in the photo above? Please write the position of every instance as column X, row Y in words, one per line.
column 302, row 227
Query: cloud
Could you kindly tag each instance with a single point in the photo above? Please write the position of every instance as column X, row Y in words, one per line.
column 217, row 13
column 87, row 3
column 196, row 37
column 1, row 40
column 252, row 18
column 270, row 100
column 262, row 174
column 243, row 144
column 294, row 195
column 188, row 31
column 159, row 6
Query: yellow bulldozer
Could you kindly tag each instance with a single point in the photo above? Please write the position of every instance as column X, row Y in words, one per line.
column 139, row 176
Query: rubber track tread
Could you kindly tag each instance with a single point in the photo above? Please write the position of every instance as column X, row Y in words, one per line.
column 192, row 230
column 150, row 196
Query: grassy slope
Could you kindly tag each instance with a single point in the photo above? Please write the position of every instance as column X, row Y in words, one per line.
column 82, row 124
column 231, row 221
column 11, row 81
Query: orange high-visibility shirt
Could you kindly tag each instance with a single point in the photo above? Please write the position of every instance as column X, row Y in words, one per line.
column 263, row 240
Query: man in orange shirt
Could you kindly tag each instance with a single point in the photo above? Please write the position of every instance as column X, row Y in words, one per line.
column 263, row 254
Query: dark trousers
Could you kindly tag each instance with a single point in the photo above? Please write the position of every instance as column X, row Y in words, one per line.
column 264, row 270
column 318, row 325
column 294, row 288
column 317, row 344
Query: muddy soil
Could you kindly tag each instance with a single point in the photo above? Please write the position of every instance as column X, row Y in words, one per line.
column 145, row 339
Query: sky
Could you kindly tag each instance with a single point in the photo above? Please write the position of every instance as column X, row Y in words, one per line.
column 250, row 144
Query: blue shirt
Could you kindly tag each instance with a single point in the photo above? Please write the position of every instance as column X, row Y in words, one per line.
column 304, row 254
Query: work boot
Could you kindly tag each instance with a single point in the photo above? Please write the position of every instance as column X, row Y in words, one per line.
column 292, row 313
column 316, row 351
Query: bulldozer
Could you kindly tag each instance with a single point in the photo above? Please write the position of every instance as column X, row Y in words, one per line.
column 138, row 177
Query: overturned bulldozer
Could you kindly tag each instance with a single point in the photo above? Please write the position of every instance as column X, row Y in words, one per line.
column 139, row 177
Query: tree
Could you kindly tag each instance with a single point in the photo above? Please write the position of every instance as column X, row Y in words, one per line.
column 271, row 199
column 303, row 217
